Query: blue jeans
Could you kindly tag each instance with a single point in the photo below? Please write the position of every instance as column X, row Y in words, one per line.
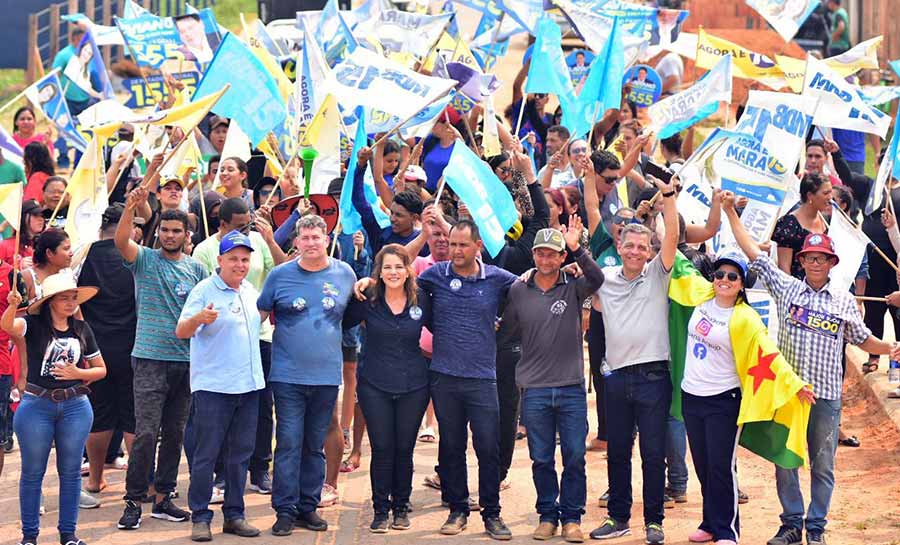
column 38, row 424
column 222, row 424
column 393, row 424
column 638, row 394
column 676, row 450
column 546, row 411
column 460, row 403
column 302, row 416
column 822, row 438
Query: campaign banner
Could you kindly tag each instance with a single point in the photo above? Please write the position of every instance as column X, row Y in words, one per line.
column 46, row 94
column 103, row 35
column 152, row 40
column 145, row 92
column 579, row 62
column 876, row 95
column 780, row 122
column 525, row 12
column 595, row 30
column 365, row 78
column 762, row 302
column 745, row 63
column 679, row 111
column 841, row 105
column 644, row 85
column 657, row 26
column 404, row 32
column 785, row 16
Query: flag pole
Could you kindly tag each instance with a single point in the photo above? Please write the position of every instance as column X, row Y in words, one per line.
column 593, row 124
column 865, row 298
column 398, row 126
column 203, row 210
column 337, row 231
column 491, row 57
column 521, row 113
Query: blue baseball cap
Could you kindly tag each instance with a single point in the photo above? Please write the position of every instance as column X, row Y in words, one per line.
column 730, row 256
column 232, row 240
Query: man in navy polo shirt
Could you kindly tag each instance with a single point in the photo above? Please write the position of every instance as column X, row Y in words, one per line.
column 465, row 296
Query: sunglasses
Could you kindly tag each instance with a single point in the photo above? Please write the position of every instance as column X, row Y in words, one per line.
column 244, row 229
column 730, row 275
column 541, row 95
column 619, row 220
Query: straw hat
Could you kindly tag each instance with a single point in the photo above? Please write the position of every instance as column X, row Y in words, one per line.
column 58, row 283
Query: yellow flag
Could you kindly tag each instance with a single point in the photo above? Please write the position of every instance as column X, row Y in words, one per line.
column 864, row 55
column 188, row 115
column 327, row 116
column 271, row 157
column 87, row 190
column 11, row 196
column 745, row 63
column 461, row 52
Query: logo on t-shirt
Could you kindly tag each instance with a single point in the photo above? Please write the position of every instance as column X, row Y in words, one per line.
column 327, row 303
column 455, row 284
column 182, row 289
column 558, row 307
column 610, row 261
column 299, row 304
column 60, row 352
column 415, row 313
column 700, row 351
column 704, row 326
column 235, row 307
column 330, row 290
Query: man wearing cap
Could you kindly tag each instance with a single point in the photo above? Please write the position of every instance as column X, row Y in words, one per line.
column 817, row 319
column 113, row 317
column 163, row 279
column 168, row 197
column 546, row 312
column 223, row 325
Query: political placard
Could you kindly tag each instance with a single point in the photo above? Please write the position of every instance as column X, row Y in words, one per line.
column 644, row 85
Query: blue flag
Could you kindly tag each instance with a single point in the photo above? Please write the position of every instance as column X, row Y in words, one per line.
column 486, row 197
column 94, row 69
column 549, row 72
column 602, row 89
column 253, row 100
column 895, row 66
column 46, row 94
column 351, row 221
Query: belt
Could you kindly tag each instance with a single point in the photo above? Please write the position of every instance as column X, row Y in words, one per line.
column 57, row 395
column 648, row 367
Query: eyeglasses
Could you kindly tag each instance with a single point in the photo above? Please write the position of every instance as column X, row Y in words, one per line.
column 817, row 259
column 245, row 229
column 611, row 180
column 732, row 276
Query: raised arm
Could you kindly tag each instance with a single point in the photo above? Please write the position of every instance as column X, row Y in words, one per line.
column 384, row 190
column 695, row 234
column 741, row 236
column 670, row 215
column 127, row 247
column 591, row 199
column 14, row 327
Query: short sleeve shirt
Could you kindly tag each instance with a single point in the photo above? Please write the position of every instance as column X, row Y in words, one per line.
column 47, row 350
column 161, row 287
column 709, row 367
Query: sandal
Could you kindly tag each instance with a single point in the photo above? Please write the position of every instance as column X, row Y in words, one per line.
column 348, row 467
column 869, row 367
column 433, row 481
column 427, row 435
column 851, row 441
column 894, row 394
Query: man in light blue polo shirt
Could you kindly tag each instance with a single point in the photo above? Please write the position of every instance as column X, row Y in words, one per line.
column 221, row 320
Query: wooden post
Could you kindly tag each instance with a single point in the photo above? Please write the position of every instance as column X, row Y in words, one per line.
column 54, row 30
column 30, row 69
column 73, row 6
column 120, row 11
column 90, row 9
column 107, row 20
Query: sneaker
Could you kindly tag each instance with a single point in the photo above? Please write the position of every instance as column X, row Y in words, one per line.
column 261, row 483
column 654, row 533
column 131, row 517
column 329, row 496
column 86, row 501
column 604, row 499
column 610, row 529
column 218, row 496
column 815, row 537
column 120, row 462
column 497, row 529
column 240, row 528
column 455, row 524
column 28, row 541
column 166, row 510
column 571, row 532
column 742, row 497
column 200, row 531
column 311, row 521
column 379, row 524
column 8, row 445
column 787, row 536
column 668, row 501
column 284, row 525
column 678, row 496
column 401, row 520
column 544, row 531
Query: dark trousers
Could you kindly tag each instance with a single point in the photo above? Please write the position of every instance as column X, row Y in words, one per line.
column 546, row 412
column 392, row 421
column 713, row 433
column 265, row 424
column 882, row 281
column 162, row 396
column 304, row 414
column 508, row 397
column 458, row 404
column 223, row 424
column 596, row 353
column 638, row 395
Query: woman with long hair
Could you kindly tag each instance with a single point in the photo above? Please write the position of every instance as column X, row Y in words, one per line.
column 39, row 166
column 52, row 254
column 31, row 225
column 62, row 359
column 25, row 129
column 792, row 228
column 392, row 383
column 233, row 176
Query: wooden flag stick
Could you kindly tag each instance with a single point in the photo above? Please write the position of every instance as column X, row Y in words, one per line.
column 874, row 299
column 203, row 210
column 521, row 113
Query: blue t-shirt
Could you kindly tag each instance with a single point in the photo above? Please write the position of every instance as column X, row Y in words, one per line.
column 74, row 93
column 161, row 287
column 308, row 309
column 852, row 143
column 464, row 311
column 434, row 162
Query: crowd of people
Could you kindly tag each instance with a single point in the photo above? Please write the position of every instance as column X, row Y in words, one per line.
column 199, row 325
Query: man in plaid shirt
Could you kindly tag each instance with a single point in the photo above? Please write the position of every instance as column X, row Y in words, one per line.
column 816, row 318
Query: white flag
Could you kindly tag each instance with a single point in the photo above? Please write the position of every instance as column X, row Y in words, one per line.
column 699, row 101
column 786, row 17
column 841, row 104
column 404, row 32
column 850, row 244
column 237, row 144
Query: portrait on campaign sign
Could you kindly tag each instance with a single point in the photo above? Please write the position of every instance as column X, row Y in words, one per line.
column 579, row 62
column 324, row 206
column 644, row 85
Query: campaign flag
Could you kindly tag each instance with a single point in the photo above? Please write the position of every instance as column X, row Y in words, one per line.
column 785, row 17
column 378, row 121
column 186, row 117
column 889, row 168
column 678, row 112
column 875, row 95
column 133, row 9
column 367, row 79
column 548, row 72
column 152, row 39
column 595, row 30
column 87, row 71
column 87, row 190
column 774, row 420
column 488, row 7
column 309, row 86
column 850, row 243
column 745, row 63
column 862, row 55
column 656, row 26
column 602, row 88
column 404, row 32
column 487, row 199
column 323, row 134
column 351, row 221
column 780, row 122
column 47, row 95
column 11, row 196
column 237, row 144
column 895, row 66
column 10, row 149
column 841, row 105
column 103, row 34
column 253, row 99
column 525, row 12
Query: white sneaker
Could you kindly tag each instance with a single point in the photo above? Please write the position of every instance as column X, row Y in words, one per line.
column 218, row 496
column 329, row 496
column 86, row 501
column 121, row 462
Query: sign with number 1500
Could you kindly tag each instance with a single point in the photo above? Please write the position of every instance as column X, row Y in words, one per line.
column 147, row 93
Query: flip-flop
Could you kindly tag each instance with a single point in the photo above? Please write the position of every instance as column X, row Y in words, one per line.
column 431, row 481
column 851, row 441
column 427, row 435
column 869, row 367
column 894, row 394
column 348, row 467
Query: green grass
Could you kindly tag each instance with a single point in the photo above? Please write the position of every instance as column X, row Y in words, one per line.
column 228, row 13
